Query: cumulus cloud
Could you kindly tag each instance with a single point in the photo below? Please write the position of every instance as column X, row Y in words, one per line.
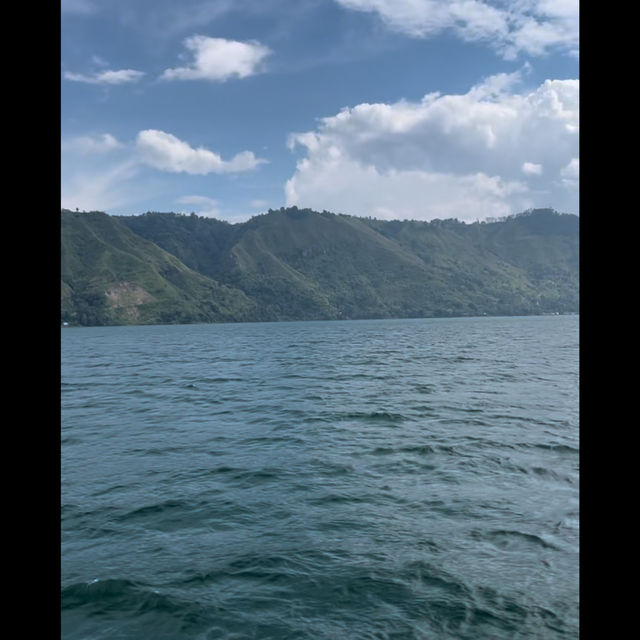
column 219, row 59
column 96, row 144
column 121, row 76
column 408, row 194
column 529, row 26
column 466, row 156
column 531, row 168
column 166, row 152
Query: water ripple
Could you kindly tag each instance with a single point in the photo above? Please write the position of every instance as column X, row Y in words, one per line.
column 378, row 479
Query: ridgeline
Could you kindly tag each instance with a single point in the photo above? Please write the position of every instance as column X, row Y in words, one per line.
column 299, row 264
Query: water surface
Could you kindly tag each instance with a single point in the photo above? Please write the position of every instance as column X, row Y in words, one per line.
column 362, row 479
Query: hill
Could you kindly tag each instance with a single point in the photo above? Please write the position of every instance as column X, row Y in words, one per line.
column 298, row 264
column 111, row 275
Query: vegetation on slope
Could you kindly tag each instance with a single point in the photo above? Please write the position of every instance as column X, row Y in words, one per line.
column 112, row 276
column 294, row 264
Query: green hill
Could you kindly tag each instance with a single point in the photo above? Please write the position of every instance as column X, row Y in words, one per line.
column 111, row 275
column 294, row 264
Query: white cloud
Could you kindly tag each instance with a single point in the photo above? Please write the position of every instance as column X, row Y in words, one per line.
column 205, row 206
column 422, row 18
column 572, row 170
column 536, row 37
column 463, row 156
column 92, row 178
column 121, row 76
column 166, row 152
column 87, row 144
column 570, row 174
column 529, row 26
column 412, row 194
column 219, row 59
column 531, row 168
column 99, row 188
column 198, row 201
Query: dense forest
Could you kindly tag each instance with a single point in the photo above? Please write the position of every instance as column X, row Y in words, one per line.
column 299, row 264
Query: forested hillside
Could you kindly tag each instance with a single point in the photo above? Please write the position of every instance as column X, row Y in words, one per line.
column 294, row 264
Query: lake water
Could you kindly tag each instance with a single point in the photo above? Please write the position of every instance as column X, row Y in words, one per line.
column 321, row 480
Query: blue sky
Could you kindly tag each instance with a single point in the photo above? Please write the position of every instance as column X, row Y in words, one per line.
column 416, row 109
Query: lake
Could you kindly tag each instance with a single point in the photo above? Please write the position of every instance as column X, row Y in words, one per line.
column 321, row 480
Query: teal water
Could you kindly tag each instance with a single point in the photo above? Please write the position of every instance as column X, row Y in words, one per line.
column 361, row 479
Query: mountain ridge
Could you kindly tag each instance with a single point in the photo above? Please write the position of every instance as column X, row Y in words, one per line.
column 300, row 264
